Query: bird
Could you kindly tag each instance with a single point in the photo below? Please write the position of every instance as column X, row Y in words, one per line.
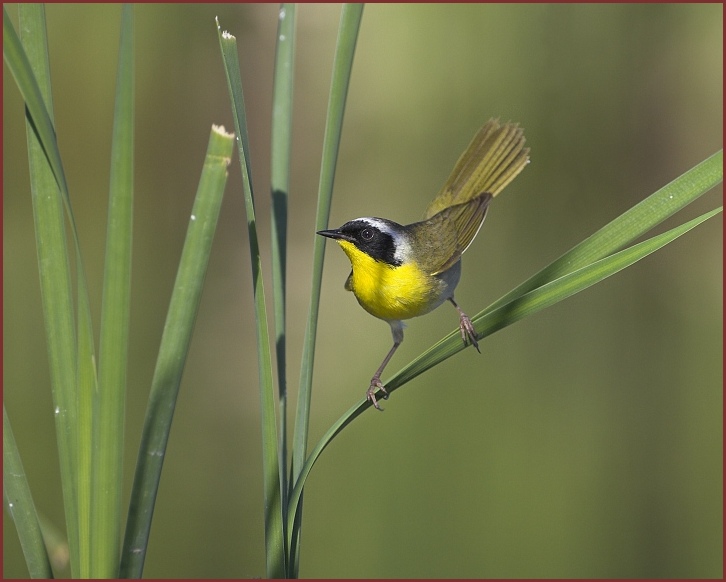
column 404, row 271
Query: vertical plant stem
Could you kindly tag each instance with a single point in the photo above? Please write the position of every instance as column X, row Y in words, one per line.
column 275, row 550
column 350, row 20
column 53, row 259
column 108, row 426
column 280, row 184
column 31, row 72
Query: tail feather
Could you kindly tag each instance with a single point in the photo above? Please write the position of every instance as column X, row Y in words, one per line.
column 493, row 159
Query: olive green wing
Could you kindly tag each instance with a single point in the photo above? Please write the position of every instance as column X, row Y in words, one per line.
column 493, row 159
column 443, row 238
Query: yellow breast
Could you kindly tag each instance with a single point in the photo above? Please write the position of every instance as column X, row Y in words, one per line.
column 390, row 292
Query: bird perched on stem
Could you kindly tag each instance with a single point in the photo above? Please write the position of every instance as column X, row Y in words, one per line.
column 403, row 271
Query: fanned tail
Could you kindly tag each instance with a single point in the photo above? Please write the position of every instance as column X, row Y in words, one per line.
column 493, row 159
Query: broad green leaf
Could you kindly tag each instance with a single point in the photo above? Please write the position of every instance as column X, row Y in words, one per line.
column 108, row 425
column 173, row 350
column 30, row 67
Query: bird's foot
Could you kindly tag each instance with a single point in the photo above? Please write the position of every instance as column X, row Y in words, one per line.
column 371, row 392
column 468, row 333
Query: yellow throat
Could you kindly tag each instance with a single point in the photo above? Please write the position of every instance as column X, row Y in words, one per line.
column 386, row 291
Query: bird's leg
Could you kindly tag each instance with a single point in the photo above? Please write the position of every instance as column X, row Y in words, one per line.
column 466, row 326
column 376, row 384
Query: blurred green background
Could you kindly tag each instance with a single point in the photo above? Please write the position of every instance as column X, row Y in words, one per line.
column 585, row 441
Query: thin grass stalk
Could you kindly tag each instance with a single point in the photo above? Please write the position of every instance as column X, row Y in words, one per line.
column 32, row 19
column 505, row 315
column 653, row 210
column 173, row 350
column 275, row 549
column 617, row 234
column 20, row 506
column 636, row 221
column 350, row 20
column 281, row 147
column 108, row 426
column 30, row 66
column 545, row 296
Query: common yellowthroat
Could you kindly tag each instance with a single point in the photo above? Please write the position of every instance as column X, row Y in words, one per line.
column 401, row 271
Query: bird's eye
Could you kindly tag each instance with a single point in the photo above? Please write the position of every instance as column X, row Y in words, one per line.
column 366, row 234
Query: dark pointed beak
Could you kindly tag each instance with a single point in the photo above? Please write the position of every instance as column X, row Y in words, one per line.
column 330, row 233
column 335, row 235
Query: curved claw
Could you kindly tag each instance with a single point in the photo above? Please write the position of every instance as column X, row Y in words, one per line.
column 468, row 332
column 371, row 392
column 467, row 327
